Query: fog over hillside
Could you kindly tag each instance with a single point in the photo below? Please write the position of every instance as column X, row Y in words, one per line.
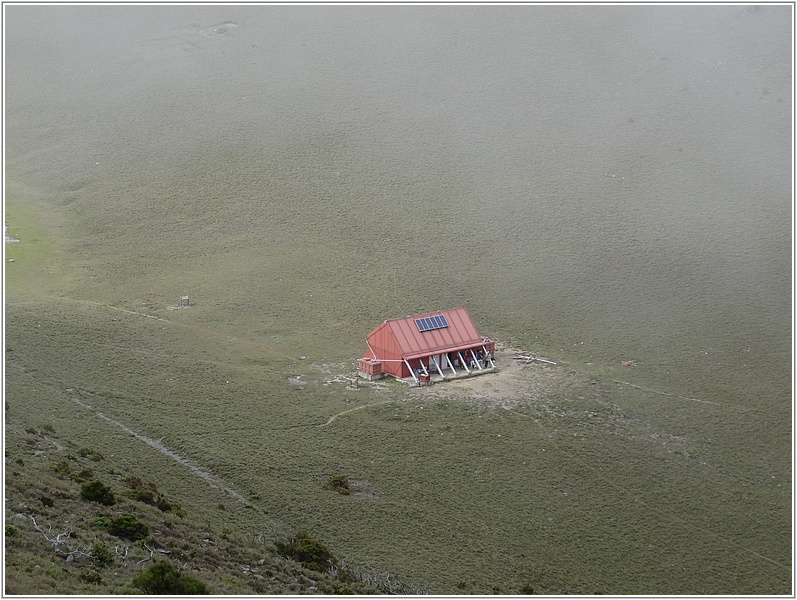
column 599, row 184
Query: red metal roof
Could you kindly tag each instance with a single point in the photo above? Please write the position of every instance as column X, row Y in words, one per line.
column 460, row 334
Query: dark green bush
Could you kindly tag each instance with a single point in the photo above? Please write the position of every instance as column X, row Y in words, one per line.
column 142, row 495
column 148, row 494
column 127, row 526
column 164, row 580
column 11, row 531
column 307, row 550
column 124, row 526
column 101, row 520
column 62, row 467
column 97, row 491
column 100, row 555
column 162, row 503
column 90, row 576
column 93, row 454
column 344, row 591
column 338, row 483
column 82, row 475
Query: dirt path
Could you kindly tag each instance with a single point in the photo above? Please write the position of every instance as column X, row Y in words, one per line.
column 351, row 410
column 196, row 470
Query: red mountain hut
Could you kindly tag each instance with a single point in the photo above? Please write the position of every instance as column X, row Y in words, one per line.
column 443, row 342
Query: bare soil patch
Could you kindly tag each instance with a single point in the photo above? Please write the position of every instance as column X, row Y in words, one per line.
column 513, row 381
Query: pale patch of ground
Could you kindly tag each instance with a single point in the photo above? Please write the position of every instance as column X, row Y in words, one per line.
column 511, row 383
column 297, row 381
column 537, row 390
column 9, row 238
column 362, row 488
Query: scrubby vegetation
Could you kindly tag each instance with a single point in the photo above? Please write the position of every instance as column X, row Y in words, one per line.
column 338, row 483
column 100, row 555
column 308, row 551
column 66, row 546
column 164, row 579
column 149, row 494
column 96, row 491
column 92, row 454
column 124, row 526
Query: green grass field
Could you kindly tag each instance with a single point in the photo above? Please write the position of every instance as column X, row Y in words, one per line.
column 594, row 478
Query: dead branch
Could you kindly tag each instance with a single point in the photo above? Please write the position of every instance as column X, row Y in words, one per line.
column 55, row 541
column 380, row 580
column 151, row 552
column 79, row 553
column 530, row 357
column 61, row 540
column 122, row 556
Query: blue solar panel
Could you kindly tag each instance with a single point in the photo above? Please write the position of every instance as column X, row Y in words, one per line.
column 428, row 323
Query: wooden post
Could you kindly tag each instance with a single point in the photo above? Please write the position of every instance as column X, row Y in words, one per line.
column 437, row 366
column 476, row 360
column 411, row 371
column 450, row 364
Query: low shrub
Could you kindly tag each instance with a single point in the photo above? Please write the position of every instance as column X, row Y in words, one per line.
column 100, row 555
column 90, row 576
column 62, row 467
column 102, row 520
column 338, row 483
column 142, row 495
column 307, row 550
column 129, row 527
column 82, row 475
column 124, row 526
column 343, row 591
column 148, row 494
column 164, row 580
column 97, row 491
column 93, row 454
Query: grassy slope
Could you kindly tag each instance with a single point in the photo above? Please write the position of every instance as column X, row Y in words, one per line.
column 230, row 560
column 589, row 486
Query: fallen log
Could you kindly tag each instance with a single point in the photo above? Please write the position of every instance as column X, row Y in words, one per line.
column 529, row 358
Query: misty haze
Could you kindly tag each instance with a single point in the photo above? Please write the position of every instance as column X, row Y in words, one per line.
column 609, row 187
